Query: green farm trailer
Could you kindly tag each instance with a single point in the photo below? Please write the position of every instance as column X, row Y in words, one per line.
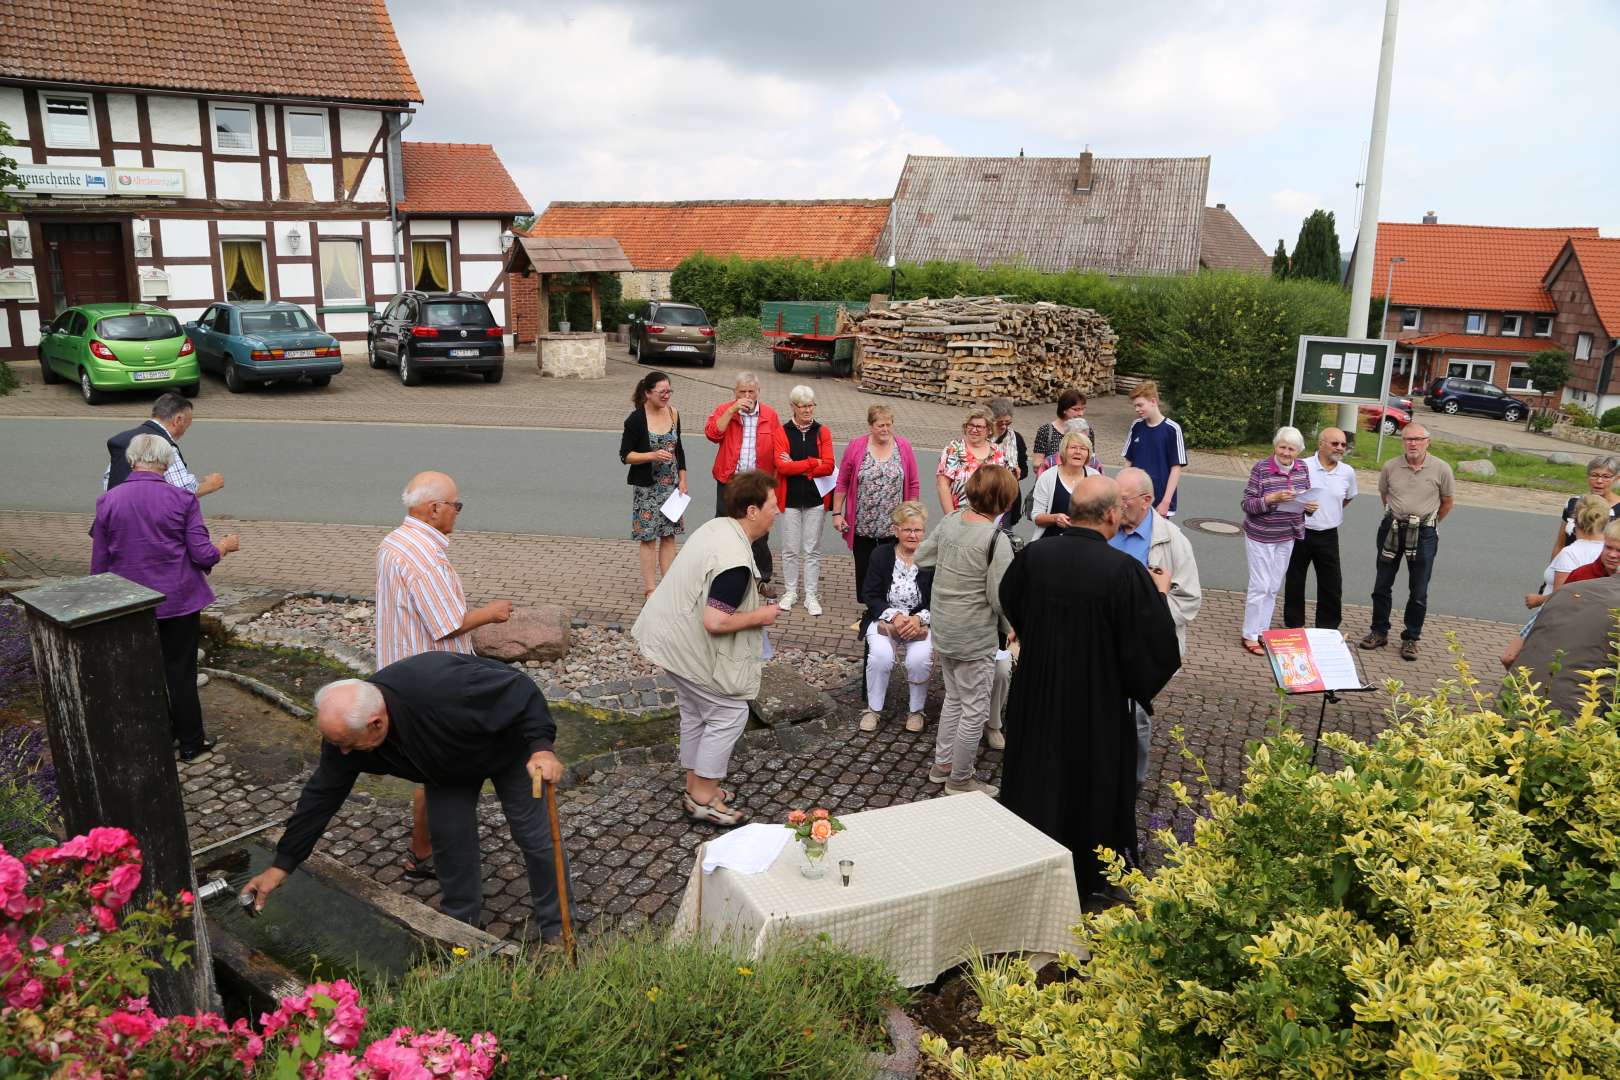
column 808, row 330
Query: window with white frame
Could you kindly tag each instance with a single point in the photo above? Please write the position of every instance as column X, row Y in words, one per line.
column 1511, row 325
column 306, row 133
column 1475, row 324
column 1411, row 318
column 1478, row 370
column 1519, row 378
column 234, row 131
column 69, row 120
column 340, row 270
column 1542, row 326
column 1583, row 346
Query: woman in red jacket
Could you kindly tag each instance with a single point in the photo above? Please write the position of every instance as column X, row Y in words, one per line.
column 804, row 451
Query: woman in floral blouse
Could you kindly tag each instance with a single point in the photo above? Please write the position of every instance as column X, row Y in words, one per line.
column 962, row 458
column 876, row 474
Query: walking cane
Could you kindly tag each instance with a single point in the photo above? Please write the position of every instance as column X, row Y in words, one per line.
column 546, row 791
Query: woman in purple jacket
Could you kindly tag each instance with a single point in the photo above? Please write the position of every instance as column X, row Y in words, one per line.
column 1273, row 518
column 877, row 473
column 152, row 533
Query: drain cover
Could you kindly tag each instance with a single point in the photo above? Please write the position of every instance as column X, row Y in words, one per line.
column 1215, row 526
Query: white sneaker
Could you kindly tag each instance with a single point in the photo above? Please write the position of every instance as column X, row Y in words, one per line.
column 812, row 606
column 970, row 785
column 788, row 599
column 995, row 739
column 202, row 679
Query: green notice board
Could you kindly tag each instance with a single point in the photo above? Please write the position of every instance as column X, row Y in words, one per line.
column 1343, row 370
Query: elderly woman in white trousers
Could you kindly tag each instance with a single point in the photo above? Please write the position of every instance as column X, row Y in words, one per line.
column 896, row 595
column 1272, row 521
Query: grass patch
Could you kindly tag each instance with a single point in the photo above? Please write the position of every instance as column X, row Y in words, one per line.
column 644, row 1007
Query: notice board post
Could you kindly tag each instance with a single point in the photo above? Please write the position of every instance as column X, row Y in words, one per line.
column 1343, row 371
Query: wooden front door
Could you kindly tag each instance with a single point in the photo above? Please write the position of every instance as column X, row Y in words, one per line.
column 87, row 262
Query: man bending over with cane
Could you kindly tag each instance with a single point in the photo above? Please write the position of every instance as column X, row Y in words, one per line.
column 448, row 721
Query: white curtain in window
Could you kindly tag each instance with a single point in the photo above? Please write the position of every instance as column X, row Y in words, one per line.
column 340, row 270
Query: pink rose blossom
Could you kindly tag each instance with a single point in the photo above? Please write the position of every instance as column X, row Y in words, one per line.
column 820, row 814
column 797, row 817
column 821, row 831
column 121, row 885
column 104, row 918
column 26, row 996
column 14, row 902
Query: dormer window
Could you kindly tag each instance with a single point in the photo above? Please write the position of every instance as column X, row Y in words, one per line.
column 1411, row 318
column 1512, row 325
column 1475, row 323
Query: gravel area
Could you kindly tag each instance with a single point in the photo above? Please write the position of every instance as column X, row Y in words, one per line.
column 599, row 654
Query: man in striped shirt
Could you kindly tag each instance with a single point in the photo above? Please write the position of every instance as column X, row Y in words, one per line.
column 421, row 608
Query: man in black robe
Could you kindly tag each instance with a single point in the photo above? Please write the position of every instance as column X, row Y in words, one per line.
column 448, row 721
column 1096, row 634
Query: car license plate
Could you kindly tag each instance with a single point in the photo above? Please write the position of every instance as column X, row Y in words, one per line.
column 682, row 348
column 150, row 376
column 463, row 352
column 299, row 354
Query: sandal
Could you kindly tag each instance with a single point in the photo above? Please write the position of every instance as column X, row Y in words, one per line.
column 710, row 813
column 1254, row 647
column 419, row 868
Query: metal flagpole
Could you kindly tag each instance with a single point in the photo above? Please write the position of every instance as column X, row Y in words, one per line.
column 1367, row 238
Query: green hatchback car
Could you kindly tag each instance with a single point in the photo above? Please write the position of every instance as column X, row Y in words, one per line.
column 111, row 347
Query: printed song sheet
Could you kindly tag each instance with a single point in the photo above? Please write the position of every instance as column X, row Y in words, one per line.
column 675, row 505
column 1334, row 661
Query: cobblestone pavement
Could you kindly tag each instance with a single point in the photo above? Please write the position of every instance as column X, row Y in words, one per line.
column 630, row 845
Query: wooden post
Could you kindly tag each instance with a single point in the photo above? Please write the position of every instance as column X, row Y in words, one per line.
column 545, row 305
column 95, row 646
column 596, row 306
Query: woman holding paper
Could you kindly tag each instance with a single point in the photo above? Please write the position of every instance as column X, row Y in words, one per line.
column 877, row 473
column 1273, row 518
column 804, row 456
column 651, row 446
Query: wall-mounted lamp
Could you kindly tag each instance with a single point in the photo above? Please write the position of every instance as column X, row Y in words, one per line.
column 295, row 239
column 143, row 238
column 506, row 240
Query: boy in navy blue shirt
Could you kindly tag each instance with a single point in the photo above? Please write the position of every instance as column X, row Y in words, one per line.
column 1156, row 446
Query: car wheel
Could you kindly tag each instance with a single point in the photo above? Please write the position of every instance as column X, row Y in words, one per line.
column 632, row 349
column 320, row 380
column 371, row 355
column 1513, row 415
column 1390, row 426
column 48, row 373
column 1450, row 408
column 233, row 378
column 495, row 376
column 91, row 395
column 191, row 390
column 407, row 371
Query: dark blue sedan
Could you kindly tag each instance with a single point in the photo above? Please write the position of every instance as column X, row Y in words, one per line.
column 263, row 342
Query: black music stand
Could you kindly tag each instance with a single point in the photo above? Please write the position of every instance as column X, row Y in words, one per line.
column 1328, row 696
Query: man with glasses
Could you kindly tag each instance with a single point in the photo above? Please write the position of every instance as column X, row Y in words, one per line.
column 421, row 607
column 745, row 431
column 1337, row 483
column 1418, row 491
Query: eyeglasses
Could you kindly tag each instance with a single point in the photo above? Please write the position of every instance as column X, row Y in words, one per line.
column 1341, row 442
column 665, row 392
column 1416, row 439
column 456, row 505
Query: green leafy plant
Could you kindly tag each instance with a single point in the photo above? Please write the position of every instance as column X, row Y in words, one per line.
column 1317, row 255
column 738, row 330
column 1442, row 906
column 1610, row 420
column 1579, row 415
column 1547, row 370
column 1542, row 422
column 9, row 177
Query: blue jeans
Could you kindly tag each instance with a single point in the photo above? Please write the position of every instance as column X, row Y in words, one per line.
column 1417, row 596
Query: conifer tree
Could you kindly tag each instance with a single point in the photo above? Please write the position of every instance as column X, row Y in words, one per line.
column 1316, row 253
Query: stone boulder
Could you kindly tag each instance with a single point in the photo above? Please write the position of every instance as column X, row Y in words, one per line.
column 785, row 697
column 1481, row 467
column 1558, row 457
column 538, row 633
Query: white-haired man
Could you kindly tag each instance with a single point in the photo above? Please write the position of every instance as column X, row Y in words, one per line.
column 451, row 722
column 421, row 606
column 1158, row 544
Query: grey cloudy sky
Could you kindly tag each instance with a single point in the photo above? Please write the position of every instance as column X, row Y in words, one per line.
column 1503, row 110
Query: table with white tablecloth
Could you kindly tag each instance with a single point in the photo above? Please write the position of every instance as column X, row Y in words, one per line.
column 934, row 882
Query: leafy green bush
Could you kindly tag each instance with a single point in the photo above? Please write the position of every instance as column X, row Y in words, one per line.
column 738, row 330
column 643, row 1007
column 1579, row 415
column 1542, row 422
column 1610, row 420
column 1445, row 905
column 8, row 379
column 576, row 308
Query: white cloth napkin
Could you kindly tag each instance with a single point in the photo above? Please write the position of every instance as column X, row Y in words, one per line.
column 748, row 850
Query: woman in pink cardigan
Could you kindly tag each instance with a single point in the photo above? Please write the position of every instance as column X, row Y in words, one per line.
column 877, row 473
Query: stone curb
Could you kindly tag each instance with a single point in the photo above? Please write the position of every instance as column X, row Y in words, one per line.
column 902, row 1063
column 259, row 689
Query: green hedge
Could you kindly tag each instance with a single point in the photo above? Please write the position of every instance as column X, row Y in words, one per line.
column 1220, row 343
column 8, row 379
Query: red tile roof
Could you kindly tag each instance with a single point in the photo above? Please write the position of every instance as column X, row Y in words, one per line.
column 344, row 51
column 1478, row 342
column 458, row 178
column 658, row 235
column 1600, row 265
column 1483, row 267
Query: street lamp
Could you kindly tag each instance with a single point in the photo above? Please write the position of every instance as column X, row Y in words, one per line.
column 1383, row 328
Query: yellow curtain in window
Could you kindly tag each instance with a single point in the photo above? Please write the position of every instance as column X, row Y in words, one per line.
column 253, row 266
column 437, row 266
column 232, row 254
column 418, row 258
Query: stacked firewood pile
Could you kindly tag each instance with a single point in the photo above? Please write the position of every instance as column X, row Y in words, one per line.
column 974, row 348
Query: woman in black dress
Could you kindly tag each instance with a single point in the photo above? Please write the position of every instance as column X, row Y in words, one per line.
column 651, row 446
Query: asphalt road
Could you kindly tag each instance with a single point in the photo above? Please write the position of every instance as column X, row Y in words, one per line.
column 570, row 483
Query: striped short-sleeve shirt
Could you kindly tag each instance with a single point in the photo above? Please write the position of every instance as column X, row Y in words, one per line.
column 419, row 597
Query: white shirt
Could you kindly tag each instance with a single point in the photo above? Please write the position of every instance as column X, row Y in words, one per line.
column 1574, row 556
column 1338, row 486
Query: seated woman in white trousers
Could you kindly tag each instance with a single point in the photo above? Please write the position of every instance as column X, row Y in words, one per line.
column 895, row 593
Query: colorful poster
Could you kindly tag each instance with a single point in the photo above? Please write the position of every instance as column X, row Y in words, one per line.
column 1291, row 661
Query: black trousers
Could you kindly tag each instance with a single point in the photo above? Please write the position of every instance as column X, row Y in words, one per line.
column 452, row 813
column 864, row 546
column 762, row 546
column 177, row 638
column 1321, row 547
